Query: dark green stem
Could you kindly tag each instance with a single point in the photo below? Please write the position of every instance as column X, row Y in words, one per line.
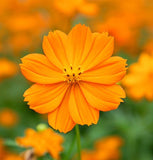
column 78, row 141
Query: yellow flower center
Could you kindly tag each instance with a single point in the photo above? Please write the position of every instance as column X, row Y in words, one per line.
column 72, row 75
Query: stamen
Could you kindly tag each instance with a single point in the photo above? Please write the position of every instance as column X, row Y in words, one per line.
column 79, row 73
column 72, row 75
column 65, row 69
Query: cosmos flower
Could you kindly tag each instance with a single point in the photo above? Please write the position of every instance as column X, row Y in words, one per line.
column 75, row 79
column 104, row 149
column 42, row 142
column 8, row 118
column 1, row 149
column 120, row 28
column 7, row 68
column 139, row 80
column 12, row 156
column 6, row 155
column 70, row 8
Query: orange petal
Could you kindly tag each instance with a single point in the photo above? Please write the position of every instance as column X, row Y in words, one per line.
column 37, row 68
column 79, row 43
column 109, row 72
column 54, row 46
column 102, row 97
column 45, row 98
column 102, row 49
column 81, row 112
column 60, row 118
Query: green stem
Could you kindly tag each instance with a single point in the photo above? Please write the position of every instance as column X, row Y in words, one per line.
column 78, row 141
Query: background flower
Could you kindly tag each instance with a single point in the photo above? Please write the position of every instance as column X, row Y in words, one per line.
column 42, row 142
column 139, row 80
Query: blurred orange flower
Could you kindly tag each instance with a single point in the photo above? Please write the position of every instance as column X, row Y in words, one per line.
column 5, row 155
column 42, row 142
column 24, row 23
column 8, row 118
column 7, row 68
column 139, row 81
column 70, row 7
column 105, row 149
column 75, row 79
column 23, row 30
column 1, row 149
column 88, row 155
column 120, row 28
column 11, row 156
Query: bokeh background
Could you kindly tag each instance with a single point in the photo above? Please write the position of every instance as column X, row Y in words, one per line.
column 23, row 23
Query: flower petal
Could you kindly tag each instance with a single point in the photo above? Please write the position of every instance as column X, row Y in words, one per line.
column 45, row 98
column 109, row 72
column 102, row 97
column 54, row 46
column 102, row 48
column 81, row 112
column 79, row 43
column 60, row 118
column 37, row 68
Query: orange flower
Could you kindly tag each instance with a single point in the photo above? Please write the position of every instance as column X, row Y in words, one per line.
column 26, row 23
column 42, row 142
column 8, row 118
column 19, row 42
column 70, row 7
column 11, row 156
column 88, row 155
column 75, row 79
column 108, row 148
column 7, row 68
column 105, row 149
column 1, row 149
column 139, row 81
column 5, row 155
column 120, row 28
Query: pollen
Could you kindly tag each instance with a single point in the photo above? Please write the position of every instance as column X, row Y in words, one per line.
column 72, row 75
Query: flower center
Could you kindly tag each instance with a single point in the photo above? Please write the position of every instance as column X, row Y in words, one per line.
column 72, row 75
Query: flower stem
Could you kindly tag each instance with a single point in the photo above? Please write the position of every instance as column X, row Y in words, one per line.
column 78, row 141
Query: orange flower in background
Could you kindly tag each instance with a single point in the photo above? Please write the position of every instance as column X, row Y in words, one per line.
column 108, row 148
column 25, row 23
column 42, row 142
column 139, row 81
column 7, row 68
column 75, row 79
column 5, row 155
column 88, row 155
column 70, row 7
column 1, row 149
column 11, row 156
column 19, row 42
column 105, row 149
column 8, row 118
column 120, row 28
